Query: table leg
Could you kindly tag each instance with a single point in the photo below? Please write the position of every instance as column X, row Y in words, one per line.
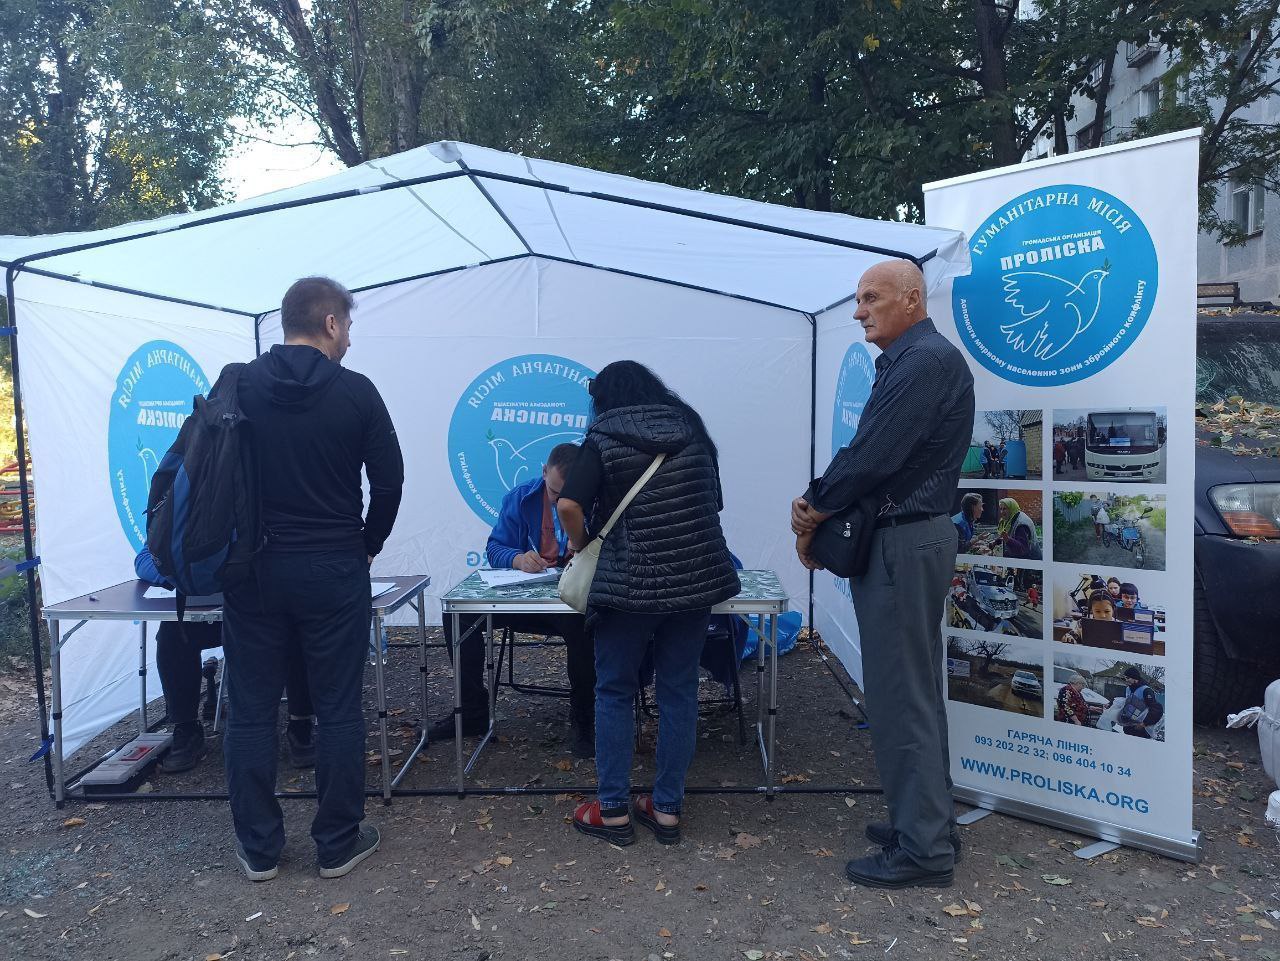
column 422, row 674
column 142, row 677
column 55, row 679
column 773, row 703
column 491, row 676
column 760, row 709
column 457, row 700
column 379, row 681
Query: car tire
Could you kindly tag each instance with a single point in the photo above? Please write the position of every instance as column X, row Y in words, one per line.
column 1222, row 684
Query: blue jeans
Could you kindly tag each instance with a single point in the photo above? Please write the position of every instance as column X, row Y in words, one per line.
column 622, row 640
column 317, row 603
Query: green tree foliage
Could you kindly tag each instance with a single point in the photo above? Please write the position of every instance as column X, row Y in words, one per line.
column 112, row 110
column 380, row 76
column 851, row 106
column 1225, row 68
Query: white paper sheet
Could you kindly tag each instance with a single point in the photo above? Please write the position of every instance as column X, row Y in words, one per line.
column 518, row 578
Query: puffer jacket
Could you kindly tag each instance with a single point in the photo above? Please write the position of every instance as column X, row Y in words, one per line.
column 667, row 552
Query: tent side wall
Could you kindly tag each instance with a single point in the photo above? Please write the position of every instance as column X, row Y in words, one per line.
column 107, row 378
column 470, row 362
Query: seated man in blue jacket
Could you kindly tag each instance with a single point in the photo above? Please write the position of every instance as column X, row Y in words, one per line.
column 528, row 537
column 178, row 648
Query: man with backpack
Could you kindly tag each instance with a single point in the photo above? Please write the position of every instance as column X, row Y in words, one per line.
column 313, row 425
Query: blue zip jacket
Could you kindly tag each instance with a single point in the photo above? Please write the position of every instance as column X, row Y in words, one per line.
column 519, row 526
column 144, row 566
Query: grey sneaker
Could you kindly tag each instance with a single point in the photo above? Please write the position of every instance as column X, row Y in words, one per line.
column 366, row 843
column 252, row 873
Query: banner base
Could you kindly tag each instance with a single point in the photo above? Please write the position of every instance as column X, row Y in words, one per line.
column 1188, row 850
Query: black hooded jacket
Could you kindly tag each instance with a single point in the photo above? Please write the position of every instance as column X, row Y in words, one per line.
column 667, row 553
column 314, row 425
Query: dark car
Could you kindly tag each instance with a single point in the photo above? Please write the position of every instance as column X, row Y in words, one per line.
column 1237, row 530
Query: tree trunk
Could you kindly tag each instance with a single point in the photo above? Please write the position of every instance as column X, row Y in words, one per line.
column 992, row 28
column 336, row 124
column 1100, row 104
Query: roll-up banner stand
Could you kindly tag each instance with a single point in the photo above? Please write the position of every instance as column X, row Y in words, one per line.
column 1068, row 623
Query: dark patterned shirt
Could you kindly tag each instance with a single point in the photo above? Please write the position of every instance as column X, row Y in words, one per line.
column 919, row 415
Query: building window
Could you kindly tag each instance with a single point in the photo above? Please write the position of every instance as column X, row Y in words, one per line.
column 1084, row 136
column 1149, row 99
column 1248, row 207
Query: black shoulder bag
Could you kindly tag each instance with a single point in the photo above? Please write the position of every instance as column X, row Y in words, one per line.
column 842, row 543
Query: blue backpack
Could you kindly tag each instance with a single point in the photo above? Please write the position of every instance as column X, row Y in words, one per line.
column 204, row 525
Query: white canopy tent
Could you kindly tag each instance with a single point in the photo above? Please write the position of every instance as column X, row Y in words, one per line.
column 488, row 287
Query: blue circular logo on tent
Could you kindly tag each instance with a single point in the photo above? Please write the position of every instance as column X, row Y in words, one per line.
column 507, row 421
column 853, row 387
column 1063, row 280
column 152, row 398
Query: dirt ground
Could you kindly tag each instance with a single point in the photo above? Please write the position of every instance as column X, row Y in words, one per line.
column 506, row 877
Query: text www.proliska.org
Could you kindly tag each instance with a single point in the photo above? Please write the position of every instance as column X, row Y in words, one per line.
column 1054, row 785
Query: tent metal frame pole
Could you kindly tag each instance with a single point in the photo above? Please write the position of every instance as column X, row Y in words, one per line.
column 484, row 191
column 437, row 273
column 23, row 267
column 257, row 334
column 813, row 426
column 28, row 538
column 697, row 215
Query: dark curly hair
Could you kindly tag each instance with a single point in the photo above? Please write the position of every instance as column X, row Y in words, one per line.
column 627, row 383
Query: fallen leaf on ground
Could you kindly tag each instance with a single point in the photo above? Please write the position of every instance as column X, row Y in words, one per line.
column 1245, row 841
column 1054, row 879
column 823, row 928
column 663, row 933
column 699, row 887
column 753, row 954
column 1250, row 937
column 505, row 861
column 1148, row 922
column 340, row 908
column 955, row 910
column 794, row 778
column 475, row 922
column 660, row 886
column 1222, row 887
column 821, row 852
column 74, row 822
column 744, row 840
column 33, row 914
column 1015, row 861
column 564, row 764
column 213, row 957
column 849, row 802
column 1264, row 923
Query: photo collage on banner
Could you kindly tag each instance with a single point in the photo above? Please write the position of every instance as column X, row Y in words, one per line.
column 1068, row 619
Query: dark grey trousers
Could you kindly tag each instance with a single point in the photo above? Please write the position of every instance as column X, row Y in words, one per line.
column 898, row 603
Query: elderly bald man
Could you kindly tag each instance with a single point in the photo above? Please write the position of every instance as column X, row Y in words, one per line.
column 906, row 456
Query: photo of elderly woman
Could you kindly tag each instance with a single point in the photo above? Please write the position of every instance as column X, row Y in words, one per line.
column 1000, row 522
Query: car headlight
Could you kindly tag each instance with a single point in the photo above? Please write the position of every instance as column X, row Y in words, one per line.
column 1249, row 510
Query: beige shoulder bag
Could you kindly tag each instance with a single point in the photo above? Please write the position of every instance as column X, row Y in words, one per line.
column 575, row 582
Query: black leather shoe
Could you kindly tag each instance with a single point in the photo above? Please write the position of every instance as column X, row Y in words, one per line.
column 892, row 868
column 582, row 738
column 882, row 833
column 442, row 729
column 188, row 748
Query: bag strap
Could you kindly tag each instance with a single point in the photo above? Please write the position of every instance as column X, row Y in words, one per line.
column 635, row 489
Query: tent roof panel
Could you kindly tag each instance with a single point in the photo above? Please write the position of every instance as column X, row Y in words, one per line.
column 364, row 226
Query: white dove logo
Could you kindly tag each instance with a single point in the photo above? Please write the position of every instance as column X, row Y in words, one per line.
column 512, row 463
column 1054, row 310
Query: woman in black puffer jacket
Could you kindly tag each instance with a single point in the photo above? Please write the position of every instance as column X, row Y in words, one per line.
column 661, row 569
